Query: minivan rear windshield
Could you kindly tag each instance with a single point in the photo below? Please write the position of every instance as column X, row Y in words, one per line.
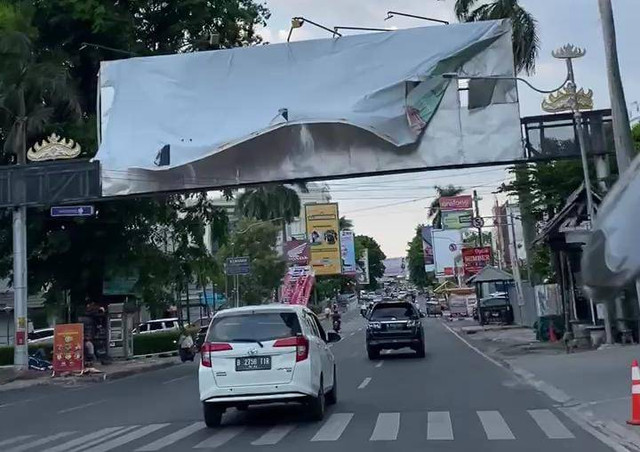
column 263, row 326
column 393, row 312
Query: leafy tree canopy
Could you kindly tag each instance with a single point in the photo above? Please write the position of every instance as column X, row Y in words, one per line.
column 415, row 258
column 376, row 257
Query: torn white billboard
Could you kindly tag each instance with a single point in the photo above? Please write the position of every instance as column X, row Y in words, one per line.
column 354, row 105
column 447, row 251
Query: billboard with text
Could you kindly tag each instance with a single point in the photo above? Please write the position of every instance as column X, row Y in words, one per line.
column 348, row 246
column 427, row 248
column 475, row 259
column 323, row 224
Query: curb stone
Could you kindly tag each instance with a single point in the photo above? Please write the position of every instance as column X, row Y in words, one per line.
column 609, row 432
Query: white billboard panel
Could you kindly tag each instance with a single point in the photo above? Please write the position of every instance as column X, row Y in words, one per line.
column 447, row 251
column 355, row 105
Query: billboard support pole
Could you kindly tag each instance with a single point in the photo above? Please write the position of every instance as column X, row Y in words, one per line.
column 477, row 208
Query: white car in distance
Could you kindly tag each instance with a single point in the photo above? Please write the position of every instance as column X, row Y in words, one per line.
column 266, row 354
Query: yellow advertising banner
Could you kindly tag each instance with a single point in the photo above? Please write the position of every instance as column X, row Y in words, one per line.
column 323, row 232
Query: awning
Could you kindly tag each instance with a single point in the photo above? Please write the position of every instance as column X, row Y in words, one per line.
column 490, row 274
column 611, row 258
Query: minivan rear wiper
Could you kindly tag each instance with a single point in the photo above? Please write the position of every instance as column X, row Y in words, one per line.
column 249, row 340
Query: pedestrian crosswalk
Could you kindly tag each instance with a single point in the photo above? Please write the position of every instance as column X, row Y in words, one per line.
column 438, row 426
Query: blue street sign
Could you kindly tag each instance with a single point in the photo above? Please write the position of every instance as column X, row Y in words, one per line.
column 72, row 211
column 237, row 266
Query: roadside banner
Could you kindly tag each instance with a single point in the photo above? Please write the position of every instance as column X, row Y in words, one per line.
column 427, row 248
column 68, row 348
column 447, row 245
column 348, row 246
column 475, row 259
column 457, row 211
column 297, row 252
column 324, row 238
column 297, row 285
column 362, row 270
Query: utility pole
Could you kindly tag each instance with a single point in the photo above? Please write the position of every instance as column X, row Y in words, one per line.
column 621, row 130
column 19, row 223
column 477, row 209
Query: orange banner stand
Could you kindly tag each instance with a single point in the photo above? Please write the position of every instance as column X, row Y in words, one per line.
column 68, row 348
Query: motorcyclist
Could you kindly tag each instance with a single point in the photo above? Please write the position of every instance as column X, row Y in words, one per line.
column 336, row 317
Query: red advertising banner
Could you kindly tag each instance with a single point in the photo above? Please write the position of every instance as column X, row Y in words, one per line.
column 68, row 348
column 449, row 203
column 475, row 259
column 298, row 252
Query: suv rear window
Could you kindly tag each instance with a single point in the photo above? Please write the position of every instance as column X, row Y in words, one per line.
column 401, row 311
column 264, row 326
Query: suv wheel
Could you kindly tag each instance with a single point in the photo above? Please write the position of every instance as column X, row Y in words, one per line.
column 420, row 350
column 317, row 404
column 332, row 396
column 373, row 353
column 212, row 414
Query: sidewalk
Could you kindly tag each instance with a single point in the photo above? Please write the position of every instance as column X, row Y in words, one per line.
column 10, row 380
column 594, row 385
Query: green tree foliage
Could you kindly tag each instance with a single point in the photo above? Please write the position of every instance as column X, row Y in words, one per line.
column 376, row 258
column 345, row 224
column 270, row 202
column 415, row 259
column 256, row 239
column 43, row 55
column 434, row 209
column 526, row 43
column 471, row 238
column 635, row 134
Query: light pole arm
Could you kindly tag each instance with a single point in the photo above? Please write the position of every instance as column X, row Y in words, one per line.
column 390, row 14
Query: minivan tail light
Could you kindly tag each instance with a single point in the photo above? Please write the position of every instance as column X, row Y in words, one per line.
column 212, row 347
column 301, row 344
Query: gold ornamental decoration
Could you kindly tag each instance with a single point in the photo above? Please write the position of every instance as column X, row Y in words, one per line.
column 565, row 100
column 54, row 148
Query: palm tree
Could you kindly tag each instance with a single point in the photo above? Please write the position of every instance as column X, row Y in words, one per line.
column 33, row 86
column 525, row 34
column 274, row 202
column 434, row 209
column 345, row 223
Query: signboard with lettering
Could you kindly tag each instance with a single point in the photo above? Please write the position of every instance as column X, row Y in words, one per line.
column 68, row 348
column 475, row 259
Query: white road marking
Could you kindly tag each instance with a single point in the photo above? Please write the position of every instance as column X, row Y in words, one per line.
column 121, row 440
column 475, row 349
column 39, row 442
column 585, row 422
column 353, row 334
column 173, row 437
column 439, row 426
column 274, row 435
column 333, row 428
column 220, row 438
column 379, row 364
column 550, row 424
column 104, row 438
column 79, row 407
column 364, row 383
column 173, row 380
column 494, row 425
column 17, row 439
column 83, row 439
column 387, row 427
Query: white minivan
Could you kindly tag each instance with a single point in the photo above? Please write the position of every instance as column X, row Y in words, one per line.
column 266, row 354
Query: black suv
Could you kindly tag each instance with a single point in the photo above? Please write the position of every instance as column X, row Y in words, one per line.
column 394, row 325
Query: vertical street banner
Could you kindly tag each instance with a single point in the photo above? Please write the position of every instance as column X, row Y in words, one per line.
column 456, row 211
column 68, row 348
column 348, row 246
column 297, row 285
column 427, row 248
column 362, row 268
column 475, row 259
column 322, row 231
column 447, row 246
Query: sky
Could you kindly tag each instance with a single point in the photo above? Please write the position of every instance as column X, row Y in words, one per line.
column 388, row 208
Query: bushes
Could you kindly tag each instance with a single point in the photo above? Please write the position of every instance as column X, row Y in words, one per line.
column 145, row 344
column 6, row 353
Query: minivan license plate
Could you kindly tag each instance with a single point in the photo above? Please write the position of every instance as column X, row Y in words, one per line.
column 253, row 363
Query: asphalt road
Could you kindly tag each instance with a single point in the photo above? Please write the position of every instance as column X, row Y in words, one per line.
column 453, row 400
